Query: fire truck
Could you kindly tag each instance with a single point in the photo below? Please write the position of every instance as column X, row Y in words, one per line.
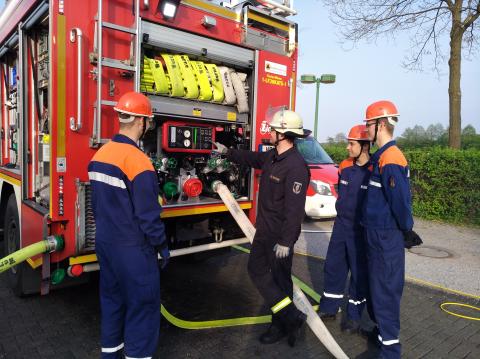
column 213, row 71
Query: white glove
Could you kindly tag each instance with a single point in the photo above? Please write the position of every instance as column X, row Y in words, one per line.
column 220, row 148
column 281, row 251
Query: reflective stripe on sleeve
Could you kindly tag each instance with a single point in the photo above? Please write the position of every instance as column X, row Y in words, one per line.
column 113, row 350
column 344, row 182
column 280, row 305
column 376, row 184
column 363, row 187
column 330, row 295
column 110, row 180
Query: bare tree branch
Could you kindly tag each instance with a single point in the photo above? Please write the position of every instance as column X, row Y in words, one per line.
column 427, row 21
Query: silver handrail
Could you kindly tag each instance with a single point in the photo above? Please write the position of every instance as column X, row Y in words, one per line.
column 77, row 35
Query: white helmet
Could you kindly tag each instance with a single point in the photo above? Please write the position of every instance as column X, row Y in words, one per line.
column 289, row 123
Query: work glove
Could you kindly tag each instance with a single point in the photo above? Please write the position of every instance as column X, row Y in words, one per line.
column 281, row 251
column 411, row 239
column 164, row 254
column 220, row 148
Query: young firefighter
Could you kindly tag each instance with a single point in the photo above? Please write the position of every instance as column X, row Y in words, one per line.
column 281, row 208
column 386, row 216
column 129, row 233
column 346, row 251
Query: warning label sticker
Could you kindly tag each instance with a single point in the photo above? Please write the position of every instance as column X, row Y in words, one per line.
column 275, row 68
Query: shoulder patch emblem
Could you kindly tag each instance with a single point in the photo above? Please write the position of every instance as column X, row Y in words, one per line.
column 297, row 187
column 392, row 182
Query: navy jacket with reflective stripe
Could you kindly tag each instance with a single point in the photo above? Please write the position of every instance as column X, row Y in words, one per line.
column 125, row 195
column 388, row 201
column 352, row 188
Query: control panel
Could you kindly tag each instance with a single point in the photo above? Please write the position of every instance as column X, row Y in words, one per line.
column 187, row 137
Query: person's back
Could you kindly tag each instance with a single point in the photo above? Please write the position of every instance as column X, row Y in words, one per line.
column 129, row 233
column 113, row 168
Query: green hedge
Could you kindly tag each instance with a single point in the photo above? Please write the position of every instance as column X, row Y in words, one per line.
column 445, row 182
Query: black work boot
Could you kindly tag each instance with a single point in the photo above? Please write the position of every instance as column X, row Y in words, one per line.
column 295, row 321
column 274, row 333
column 351, row 326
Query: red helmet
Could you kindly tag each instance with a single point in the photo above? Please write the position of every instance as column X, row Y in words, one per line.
column 381, row 109
column 358, row 133
column 134, row 104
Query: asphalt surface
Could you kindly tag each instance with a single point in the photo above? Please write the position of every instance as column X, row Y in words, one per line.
column 65, row 324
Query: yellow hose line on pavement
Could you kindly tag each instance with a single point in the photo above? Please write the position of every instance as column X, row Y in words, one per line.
column 221, row 323
column 443, row 305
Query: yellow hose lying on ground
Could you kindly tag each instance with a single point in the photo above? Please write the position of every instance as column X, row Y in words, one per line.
column 52, row 243
column 300, row 300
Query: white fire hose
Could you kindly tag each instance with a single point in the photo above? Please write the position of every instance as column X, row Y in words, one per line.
column 300, row 300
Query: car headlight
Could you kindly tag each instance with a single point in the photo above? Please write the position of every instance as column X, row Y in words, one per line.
column 321, row 188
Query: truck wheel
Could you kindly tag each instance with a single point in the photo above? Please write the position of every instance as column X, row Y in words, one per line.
column 21, row 278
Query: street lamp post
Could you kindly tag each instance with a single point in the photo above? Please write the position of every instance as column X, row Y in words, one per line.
column 324, row 79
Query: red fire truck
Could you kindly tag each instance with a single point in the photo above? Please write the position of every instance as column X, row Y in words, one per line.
column 213, row 72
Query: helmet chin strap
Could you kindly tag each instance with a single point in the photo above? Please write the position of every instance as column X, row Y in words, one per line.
column 144, row 128
column 376, row 131
column 362, row 143
column 277, row 140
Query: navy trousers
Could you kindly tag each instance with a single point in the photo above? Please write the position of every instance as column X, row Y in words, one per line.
column 130, row 300
column 346, row 252
column 386, row 266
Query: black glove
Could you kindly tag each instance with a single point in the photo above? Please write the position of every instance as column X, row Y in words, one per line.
column 164, row 253
column 412, row 239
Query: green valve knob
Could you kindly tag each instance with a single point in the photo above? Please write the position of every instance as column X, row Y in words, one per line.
column 170, row 189
column 172, row 163
column 58, row 276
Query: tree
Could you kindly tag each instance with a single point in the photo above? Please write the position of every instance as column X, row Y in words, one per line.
column 469, row 130
column 434, row 132
column 340, row 137
column 428, row 20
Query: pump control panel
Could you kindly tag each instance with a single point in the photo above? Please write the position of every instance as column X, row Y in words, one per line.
column 187, row 137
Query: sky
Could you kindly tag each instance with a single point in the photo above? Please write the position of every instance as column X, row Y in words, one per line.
column 372, row 72
column 368, row 73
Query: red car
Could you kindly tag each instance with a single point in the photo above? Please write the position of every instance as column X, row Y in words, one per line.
column 322, row 191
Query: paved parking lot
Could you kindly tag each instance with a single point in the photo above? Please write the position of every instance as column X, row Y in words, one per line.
column 65, row 324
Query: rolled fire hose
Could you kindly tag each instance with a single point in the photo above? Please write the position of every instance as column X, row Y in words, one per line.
column 300, row 300
column 189, row 80
column 238, row 81
column 200, row 73
column 174, row 75
column 51, row 244
column 158, row 76
column 216, row 81
column 230, row 97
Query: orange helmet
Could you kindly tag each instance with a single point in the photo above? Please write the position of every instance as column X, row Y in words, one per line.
column 381, row 109
column 358, row 133
column 134, row 104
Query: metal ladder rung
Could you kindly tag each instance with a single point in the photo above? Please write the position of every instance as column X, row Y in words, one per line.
column 116, row 64
column 110, row 25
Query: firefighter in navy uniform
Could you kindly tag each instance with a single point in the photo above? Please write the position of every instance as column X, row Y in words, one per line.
column 387, row 218
column 281, row 208
column 346, row 250
column 129, row 234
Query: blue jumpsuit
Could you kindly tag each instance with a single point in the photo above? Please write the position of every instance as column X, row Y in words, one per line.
column 346, row 250
column 128, row 227
column 387, row 214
